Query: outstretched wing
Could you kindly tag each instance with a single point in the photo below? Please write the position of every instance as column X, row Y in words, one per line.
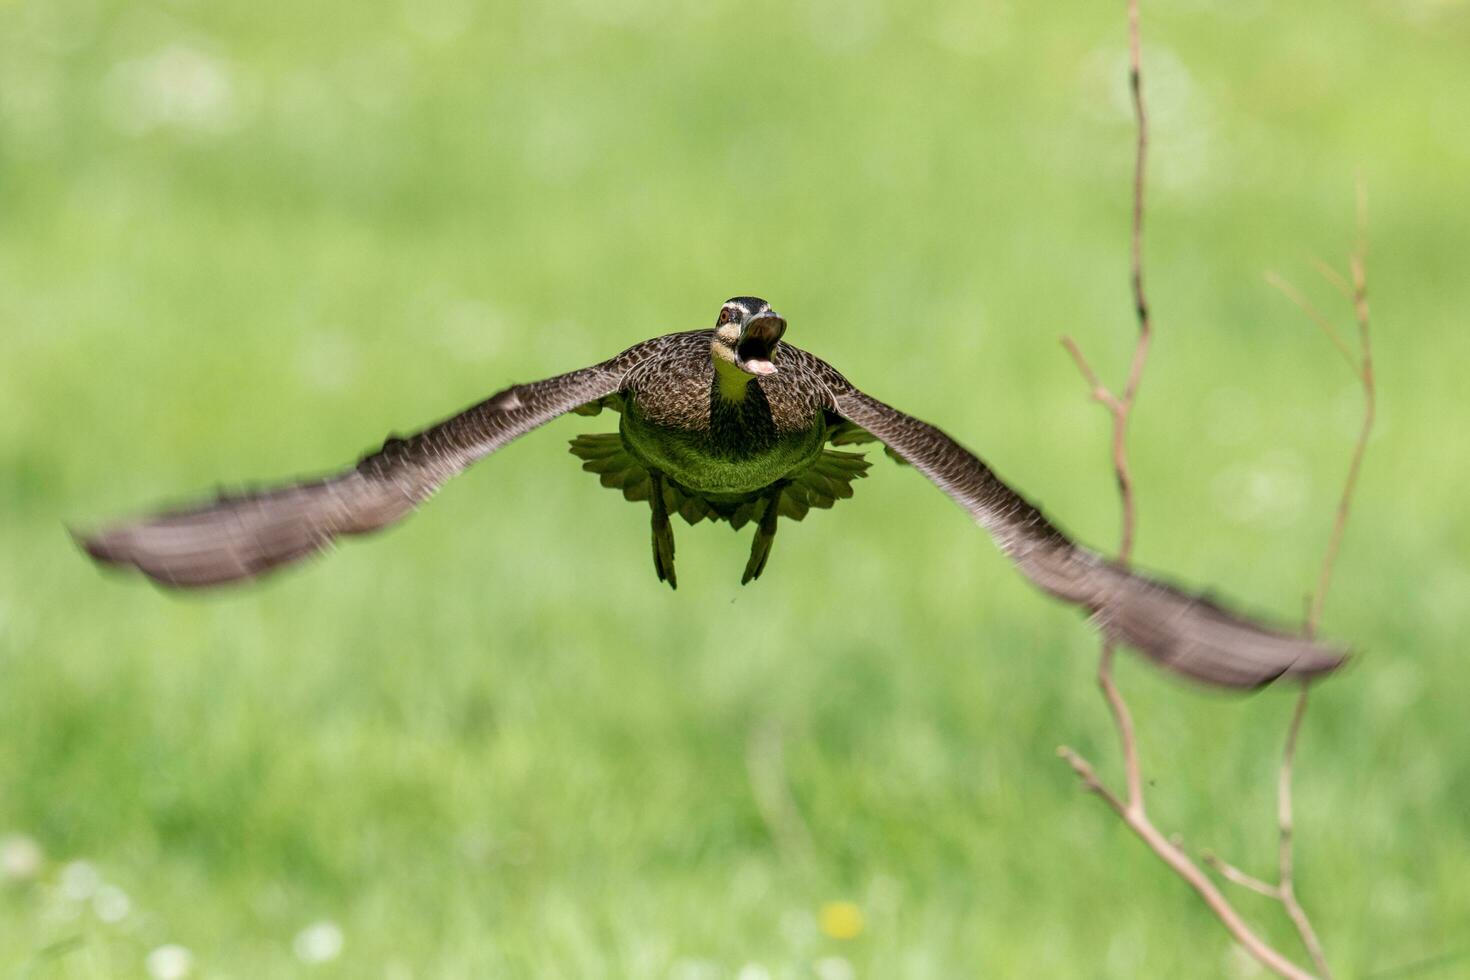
column 1182, row 632
column 242, row 536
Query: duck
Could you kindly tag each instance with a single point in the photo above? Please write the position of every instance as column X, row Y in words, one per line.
column 726, row 424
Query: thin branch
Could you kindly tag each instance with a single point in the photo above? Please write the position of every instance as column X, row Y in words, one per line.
column 1090, row 780
column 1140, row 176
column 1241, row 878
column 1358, row 265
column 1173, row 856
column 1123, row 718
column 1333, row 277
column 1362, row 366
column 1132, row 810
column 1121, row 406
column 1285, row 861
column 1100, row 391
column 1284, row 891
column 1305, row 305
column 1140, row 304
column 1364, row 370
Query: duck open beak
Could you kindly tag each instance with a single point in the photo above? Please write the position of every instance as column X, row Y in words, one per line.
column 757, row 343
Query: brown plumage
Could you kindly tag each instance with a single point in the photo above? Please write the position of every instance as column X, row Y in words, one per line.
column 732, row 425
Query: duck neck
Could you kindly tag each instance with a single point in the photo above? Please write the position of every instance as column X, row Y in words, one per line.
column 732, row 383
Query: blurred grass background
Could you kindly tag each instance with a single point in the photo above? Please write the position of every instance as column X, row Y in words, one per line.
column 242, row 241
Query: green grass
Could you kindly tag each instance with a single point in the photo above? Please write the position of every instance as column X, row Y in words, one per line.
column 242, row 241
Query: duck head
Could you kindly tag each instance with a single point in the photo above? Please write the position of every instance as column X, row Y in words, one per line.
column 745, row 338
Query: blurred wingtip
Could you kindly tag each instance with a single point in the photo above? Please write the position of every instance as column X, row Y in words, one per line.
column 93, row 543
column 1199, row 639
column 108, row 547
column 1318, row 661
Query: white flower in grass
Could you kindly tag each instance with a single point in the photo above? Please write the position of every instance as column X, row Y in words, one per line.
column 20, row 858
column 79, row 880
column 111, row 903
column 319, row 942
column 169, row 962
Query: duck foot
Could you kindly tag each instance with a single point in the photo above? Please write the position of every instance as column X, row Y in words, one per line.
column 663, row 532
column 765, row 536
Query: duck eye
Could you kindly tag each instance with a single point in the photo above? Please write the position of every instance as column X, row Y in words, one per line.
column 726, row 315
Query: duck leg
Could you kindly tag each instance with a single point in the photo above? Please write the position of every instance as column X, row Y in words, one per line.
column 765, row 536
column 663, row 532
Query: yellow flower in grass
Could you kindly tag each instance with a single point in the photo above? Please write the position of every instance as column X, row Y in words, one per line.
column 841, row 920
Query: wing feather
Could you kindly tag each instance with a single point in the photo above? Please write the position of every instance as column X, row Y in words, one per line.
column 243, row 536
column 1184, row 633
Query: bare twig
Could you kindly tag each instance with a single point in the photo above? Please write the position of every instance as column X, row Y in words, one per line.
column 1121, row 406
column 1100, row 391
column 1362, row 365
column 1284, row 891
column 1131, row 809
column 1285, row 861
column 1174, row 857
column 1364, row 370
column 1232, row 873
column 1140, row 175
column 1333, row 277
column 1317, row 316
column 1124, row 720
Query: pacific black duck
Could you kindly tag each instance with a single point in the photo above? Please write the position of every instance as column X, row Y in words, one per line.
column 730, row 424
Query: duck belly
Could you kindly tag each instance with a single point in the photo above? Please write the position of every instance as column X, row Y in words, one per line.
column 715, row 461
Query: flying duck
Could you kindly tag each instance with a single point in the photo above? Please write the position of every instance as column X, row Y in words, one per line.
column 728, row 424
